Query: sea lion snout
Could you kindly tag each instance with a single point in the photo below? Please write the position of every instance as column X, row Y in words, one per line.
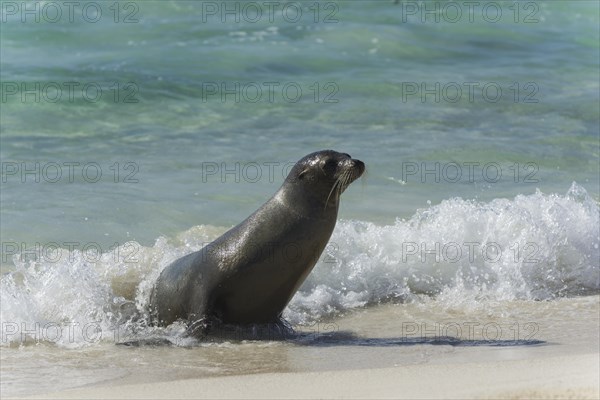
column 358, row 165
column 355, row 167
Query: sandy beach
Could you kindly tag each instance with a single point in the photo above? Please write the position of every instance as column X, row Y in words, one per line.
column 365, row 358
column 562, row 377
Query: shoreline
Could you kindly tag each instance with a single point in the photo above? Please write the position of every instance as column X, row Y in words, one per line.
column 370, row 362
column 555, row 377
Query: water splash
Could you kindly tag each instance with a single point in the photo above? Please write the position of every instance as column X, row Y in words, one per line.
column 459, row 253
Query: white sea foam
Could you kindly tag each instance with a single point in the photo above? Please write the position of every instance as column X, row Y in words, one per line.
column 458, row 253
column 532, row 247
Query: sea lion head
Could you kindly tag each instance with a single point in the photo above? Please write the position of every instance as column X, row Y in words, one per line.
column 325, row 175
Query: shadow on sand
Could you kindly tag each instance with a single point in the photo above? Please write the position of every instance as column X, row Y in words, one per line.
column 345, row 338
column 326, row 339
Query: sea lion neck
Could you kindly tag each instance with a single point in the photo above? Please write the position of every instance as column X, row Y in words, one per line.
column 305, row 201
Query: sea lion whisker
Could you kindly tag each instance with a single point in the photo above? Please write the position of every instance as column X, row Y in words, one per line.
column 347, row 178
column 335, row 184
column 343, row 186
column 344, row 177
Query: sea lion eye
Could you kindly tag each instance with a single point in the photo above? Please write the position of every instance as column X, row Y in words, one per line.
column 330, row 164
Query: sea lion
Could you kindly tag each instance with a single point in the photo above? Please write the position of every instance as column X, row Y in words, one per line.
column 250, row 273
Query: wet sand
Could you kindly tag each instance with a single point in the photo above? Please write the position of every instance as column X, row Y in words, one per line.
column 514, row 350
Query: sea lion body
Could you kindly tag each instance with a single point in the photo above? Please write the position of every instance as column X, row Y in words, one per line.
column 250, row 273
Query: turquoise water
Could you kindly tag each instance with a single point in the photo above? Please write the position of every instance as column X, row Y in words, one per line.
column 365, row 67
column 141, row 130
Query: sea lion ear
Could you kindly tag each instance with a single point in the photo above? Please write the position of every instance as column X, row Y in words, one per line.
column 302, row 174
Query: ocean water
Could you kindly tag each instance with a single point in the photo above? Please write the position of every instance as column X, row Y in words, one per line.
column 132, row 133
